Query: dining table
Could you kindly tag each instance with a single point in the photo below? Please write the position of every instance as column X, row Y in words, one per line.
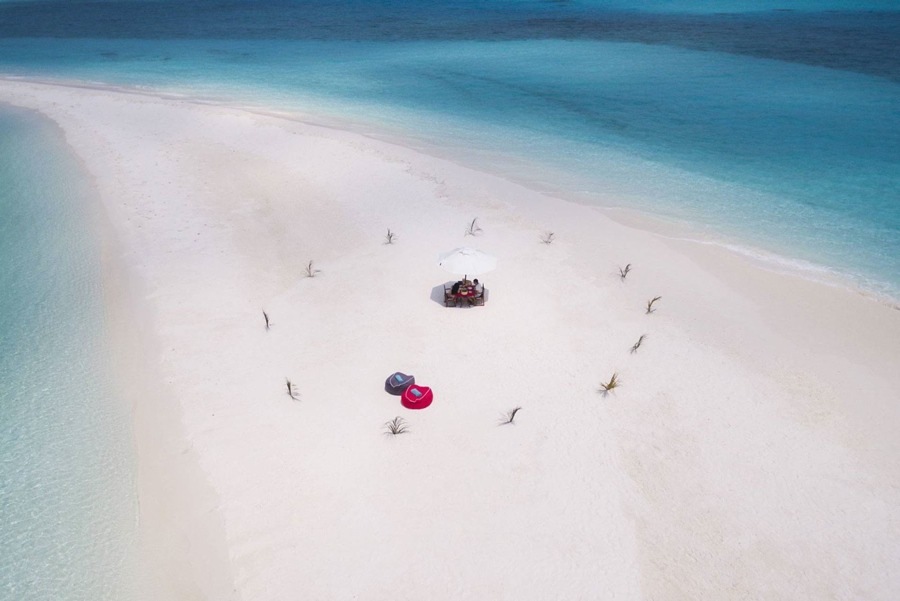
column 466, row 293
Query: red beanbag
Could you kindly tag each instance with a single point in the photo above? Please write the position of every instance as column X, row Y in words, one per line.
column 416, row 397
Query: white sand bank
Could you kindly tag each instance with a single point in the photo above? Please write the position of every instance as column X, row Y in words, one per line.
column 751, row 452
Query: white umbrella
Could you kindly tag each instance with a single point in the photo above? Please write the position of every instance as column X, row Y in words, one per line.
column 467, row 261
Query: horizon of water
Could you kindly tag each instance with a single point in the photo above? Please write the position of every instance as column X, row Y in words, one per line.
column 67, row 501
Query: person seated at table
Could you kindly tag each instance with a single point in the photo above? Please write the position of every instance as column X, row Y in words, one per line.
column 479, row 288
column 454, row 290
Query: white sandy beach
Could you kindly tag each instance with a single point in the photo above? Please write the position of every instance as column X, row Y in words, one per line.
column 751, row 451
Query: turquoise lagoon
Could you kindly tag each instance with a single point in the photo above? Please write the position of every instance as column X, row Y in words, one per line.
column 776, row 132
column 67, row 504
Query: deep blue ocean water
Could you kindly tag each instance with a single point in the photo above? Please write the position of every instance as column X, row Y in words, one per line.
column 773, row 126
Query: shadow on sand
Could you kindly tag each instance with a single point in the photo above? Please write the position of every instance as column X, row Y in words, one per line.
column 437, row 293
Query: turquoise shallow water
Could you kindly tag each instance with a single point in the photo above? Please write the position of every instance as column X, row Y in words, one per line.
column 775, row 130
column 67, row 508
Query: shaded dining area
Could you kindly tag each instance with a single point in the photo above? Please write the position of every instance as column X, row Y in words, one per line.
column 466, row 261
column 464, row 292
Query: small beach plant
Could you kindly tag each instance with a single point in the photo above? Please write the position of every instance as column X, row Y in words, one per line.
column 310, row 270
column 292, row 392
column 650, row 302
column 396, row 426
column 623, row 271
column 473, row 229
column 510, row 416
column 266, row 317
column 637, row 344
column 390, row 237
column 611, row 384
column 548, row 237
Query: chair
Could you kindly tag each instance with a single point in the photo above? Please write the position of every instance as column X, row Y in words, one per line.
column 416, row 397
column 397, row 382
column 449, row 297
column 478, row 301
